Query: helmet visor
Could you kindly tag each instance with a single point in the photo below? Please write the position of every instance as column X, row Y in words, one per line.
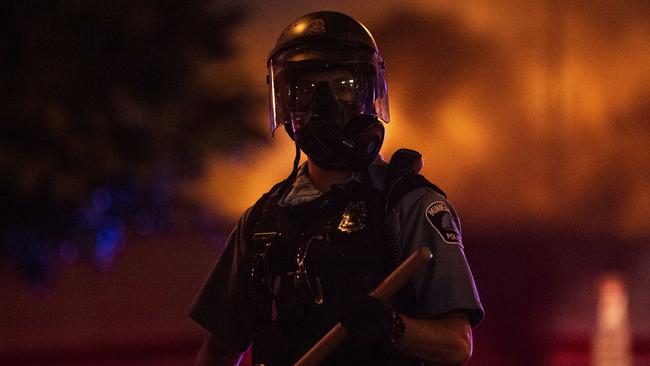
column 355, row 77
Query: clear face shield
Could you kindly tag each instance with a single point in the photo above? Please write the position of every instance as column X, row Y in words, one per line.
column 301, row 79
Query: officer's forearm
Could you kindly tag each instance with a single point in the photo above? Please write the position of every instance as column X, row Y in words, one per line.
column 216, row 353
column 440, row 341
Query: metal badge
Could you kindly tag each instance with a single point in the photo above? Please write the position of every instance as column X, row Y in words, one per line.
column 316, row 27
column 354, row 217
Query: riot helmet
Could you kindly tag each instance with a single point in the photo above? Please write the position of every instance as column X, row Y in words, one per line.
column 327, row 87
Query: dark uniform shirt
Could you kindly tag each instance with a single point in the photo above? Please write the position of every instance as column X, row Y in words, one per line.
column 421, row 217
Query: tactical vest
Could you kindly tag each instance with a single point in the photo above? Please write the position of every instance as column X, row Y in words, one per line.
column 307, row 261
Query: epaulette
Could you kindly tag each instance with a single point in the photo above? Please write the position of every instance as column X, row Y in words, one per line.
column 403, row 176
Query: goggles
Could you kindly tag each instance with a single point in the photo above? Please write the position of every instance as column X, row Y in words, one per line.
column 355, row 77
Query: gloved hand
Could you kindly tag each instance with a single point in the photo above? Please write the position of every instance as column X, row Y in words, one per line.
column 370, row 320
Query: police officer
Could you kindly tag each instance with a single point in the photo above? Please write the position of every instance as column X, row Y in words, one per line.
column 306, row 255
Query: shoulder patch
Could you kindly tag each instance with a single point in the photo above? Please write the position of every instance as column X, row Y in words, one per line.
column 439, row 216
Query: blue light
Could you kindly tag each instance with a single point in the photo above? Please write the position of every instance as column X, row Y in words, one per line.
column 108, row 243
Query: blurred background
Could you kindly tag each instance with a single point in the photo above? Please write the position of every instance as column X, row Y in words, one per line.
column 134, row 133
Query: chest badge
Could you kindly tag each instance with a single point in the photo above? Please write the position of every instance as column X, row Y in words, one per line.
column 354, row 217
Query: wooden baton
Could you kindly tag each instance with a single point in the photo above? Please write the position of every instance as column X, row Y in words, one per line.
column 387, row 288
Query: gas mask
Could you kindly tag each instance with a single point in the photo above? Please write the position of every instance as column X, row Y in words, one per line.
column 330, row 130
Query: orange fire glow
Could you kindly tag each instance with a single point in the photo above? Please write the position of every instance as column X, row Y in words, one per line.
column 534, row 110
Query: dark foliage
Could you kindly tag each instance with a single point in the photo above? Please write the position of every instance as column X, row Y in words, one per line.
column 103, row 110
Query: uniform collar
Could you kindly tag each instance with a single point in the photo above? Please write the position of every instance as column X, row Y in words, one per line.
column 303, row 189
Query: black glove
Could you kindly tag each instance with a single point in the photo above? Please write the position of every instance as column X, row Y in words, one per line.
column 369, row 320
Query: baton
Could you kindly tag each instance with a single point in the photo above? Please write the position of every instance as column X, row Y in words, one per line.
column 387, row 288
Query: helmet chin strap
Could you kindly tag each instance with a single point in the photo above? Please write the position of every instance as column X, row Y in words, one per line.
column 296, row 161
column 287, row 183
